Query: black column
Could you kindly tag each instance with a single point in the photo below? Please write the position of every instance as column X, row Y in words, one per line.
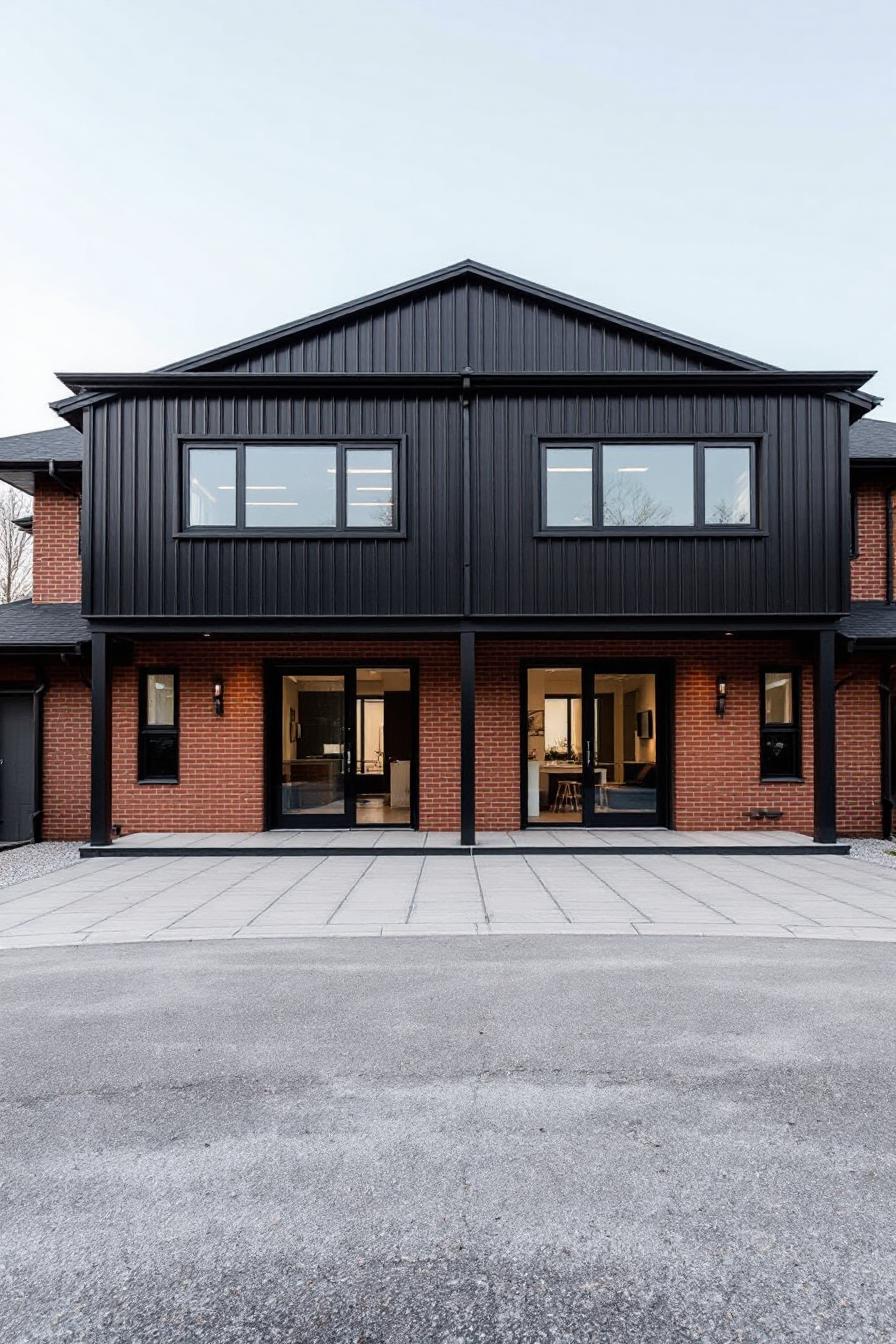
column 467, row 738
column 101, row 742
column 825, row 740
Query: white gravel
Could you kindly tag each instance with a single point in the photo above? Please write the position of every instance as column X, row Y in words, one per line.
column 27, row 861
column 874, row 851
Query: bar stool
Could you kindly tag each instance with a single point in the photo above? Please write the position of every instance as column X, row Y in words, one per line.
column 568, row 797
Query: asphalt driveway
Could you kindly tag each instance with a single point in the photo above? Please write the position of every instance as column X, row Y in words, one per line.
column 408, row 1141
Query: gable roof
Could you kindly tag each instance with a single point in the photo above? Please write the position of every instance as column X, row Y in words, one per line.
column 22, row 456
column 872, row 440
column 468, row 316
column 467, row 269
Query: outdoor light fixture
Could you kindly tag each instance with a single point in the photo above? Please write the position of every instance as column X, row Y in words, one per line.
column 721, row 693
column 218, row 696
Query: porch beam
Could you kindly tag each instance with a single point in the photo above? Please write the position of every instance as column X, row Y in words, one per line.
column 101, row 740
column 825, row 739
column 467, row 737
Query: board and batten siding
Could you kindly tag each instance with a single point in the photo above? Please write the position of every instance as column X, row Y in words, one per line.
column 136, row 566
column 795, row 564
column 467, row 324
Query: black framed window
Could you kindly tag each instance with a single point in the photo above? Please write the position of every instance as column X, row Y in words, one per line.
column 158, row 727
column 655, row 485
column 779, row 735
column 297, row 486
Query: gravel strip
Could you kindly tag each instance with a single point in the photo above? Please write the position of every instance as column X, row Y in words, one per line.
column 874, row 851
column 18, row 865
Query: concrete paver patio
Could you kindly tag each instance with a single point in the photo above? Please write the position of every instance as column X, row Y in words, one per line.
column 180, row 897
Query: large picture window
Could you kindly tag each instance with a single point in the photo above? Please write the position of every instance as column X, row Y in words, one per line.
column 158, row 727
column 632, row 486
column 288, row 486
column 779, row 737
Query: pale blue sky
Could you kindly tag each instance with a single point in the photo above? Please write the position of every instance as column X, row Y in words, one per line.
column 180, row 173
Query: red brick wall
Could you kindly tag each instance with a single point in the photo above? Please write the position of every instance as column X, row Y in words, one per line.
column 858, row 748
column 716, row 760
column 56, row 563
column 222, row 759
column 66, row 756
column 868, row 568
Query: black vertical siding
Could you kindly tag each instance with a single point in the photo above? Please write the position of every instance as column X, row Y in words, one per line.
column 135, row 565
column 467, row 322
column 794, row 565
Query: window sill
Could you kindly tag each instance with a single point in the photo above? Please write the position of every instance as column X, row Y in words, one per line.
column 160, row 780
column 607, row 533
column 782, row 779
column 290, row 534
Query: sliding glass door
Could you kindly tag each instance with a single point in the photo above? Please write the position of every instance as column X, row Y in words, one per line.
column 341, row 746
column 594, row 750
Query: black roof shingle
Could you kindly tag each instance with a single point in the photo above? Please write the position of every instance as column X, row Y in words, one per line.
column 23, row 455
column 41, row 626
column 872, row 439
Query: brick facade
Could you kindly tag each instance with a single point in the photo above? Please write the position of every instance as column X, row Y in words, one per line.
column 868, row 567
column 222, row 759
column 715, row 760
column 56, row 557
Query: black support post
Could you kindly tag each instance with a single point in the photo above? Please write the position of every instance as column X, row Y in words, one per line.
column 467, row 738
column 825, row 740
column 101, row 742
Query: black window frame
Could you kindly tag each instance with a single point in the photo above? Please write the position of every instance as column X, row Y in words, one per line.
column 792, row 730
column 343, row 444
column 699, row 526
column 147, row 731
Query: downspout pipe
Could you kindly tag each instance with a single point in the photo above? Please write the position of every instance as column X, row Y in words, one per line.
column 60, row 480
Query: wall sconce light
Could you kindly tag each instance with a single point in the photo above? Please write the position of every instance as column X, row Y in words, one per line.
column 218, row 696
column 721, row 693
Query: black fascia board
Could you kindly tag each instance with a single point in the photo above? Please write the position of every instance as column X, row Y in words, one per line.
column 88, row 384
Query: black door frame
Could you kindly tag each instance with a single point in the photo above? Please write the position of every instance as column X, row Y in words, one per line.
column 274, row 670
column 663, row 670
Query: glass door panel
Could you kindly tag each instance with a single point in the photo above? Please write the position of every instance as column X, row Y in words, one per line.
column 385, row 736
column 314, row 750
column 555, row 746
column 625, row 772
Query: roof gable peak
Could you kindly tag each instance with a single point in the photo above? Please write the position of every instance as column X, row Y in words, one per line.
column 468, row 268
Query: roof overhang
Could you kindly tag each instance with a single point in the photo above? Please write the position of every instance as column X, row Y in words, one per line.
column 24, row 475
column 86, row 386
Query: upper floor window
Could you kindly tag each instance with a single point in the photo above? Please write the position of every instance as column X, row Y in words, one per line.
column 299, row 487
column 654, row 485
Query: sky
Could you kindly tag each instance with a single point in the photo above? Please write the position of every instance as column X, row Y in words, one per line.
column 176, row 174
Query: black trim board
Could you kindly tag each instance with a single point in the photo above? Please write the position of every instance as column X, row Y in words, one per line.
column 456, row 851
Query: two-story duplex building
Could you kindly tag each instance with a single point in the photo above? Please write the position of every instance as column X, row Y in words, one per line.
column 464, row 554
